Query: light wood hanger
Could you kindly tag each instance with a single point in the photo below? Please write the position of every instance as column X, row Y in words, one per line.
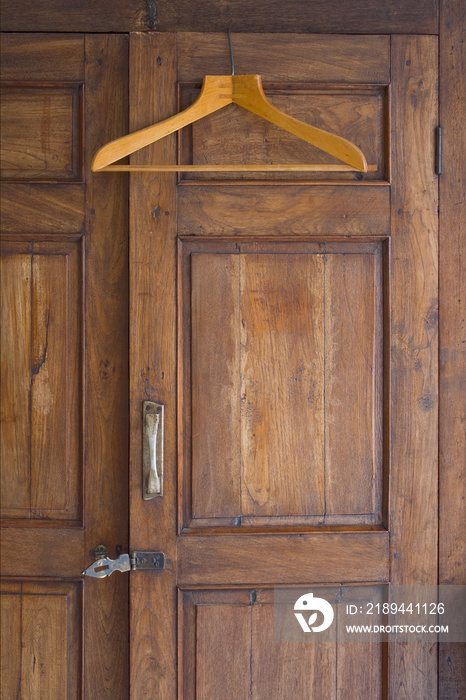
column 217, row 92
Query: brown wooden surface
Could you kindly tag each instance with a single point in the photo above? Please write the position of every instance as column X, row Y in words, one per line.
column 210, row 15
column 65, row 270
column 106, row 435
column 238, row 209
column 360, row 307
column 215, row 385
column 414, row 343
column 357, row 114
column 281, row 405
column 39, row 208
column 287, row 670
column 352, row 339
column 152, row 370
column 255, row 326
column 46, row 118
column 452, row 183
column 254, row 559
column 214, row 671
column 41, row 654
column 10, row 607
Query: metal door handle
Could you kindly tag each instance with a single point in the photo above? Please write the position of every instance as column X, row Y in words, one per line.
column 152, row 453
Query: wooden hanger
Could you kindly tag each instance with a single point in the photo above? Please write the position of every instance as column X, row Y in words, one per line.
column 219, row 91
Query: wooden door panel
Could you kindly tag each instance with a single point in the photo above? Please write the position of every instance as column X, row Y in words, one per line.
column 357, row 113
column 41, row 417
column 41, row 639
column 266, row 273
column 49, row 117
column 252, row 664
column 64, row 364
column 333, row 211
column 283, row 559
column 278, row 339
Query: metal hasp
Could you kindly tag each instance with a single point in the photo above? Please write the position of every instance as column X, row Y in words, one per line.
column 152, row 449
column 147, row 561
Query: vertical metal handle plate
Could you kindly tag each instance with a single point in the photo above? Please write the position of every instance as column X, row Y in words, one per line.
column 152, row 450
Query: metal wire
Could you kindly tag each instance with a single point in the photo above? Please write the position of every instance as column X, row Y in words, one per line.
column 231, row 54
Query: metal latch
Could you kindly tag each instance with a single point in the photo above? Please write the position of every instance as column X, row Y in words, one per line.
column 147, row 561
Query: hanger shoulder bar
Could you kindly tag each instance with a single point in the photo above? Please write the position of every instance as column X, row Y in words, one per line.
column 216, row 93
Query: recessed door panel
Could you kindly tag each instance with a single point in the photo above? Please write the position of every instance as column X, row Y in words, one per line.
column 279, row 340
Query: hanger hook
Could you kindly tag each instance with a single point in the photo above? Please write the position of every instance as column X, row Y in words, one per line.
column 231, row 54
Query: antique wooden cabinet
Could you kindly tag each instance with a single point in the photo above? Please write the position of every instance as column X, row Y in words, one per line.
column 288, row 323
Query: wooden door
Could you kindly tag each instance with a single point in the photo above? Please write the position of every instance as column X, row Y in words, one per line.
column 289, row 326
column 63, row 368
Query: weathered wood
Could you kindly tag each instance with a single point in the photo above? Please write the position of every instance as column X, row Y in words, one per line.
column 214, row 671
column 26, row 551
column 414, row 344
column 41, row 132
column 39, row 208
column 385, row 16
column 253, row 560
column 215, row 385
column 337, row 59
column 15, row 378
column 290, row 210
column 42, row 57
column 289, row 669
column 10, row 603
column 106, row 355
column 452, row 272
column 282, row 392
column 352, row 339
column 45, row 314
column 152, row 369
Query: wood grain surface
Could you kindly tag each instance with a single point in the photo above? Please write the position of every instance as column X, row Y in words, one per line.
column 452, row 330
column 212, row 15
column 414, row 345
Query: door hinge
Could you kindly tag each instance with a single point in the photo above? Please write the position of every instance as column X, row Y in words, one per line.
column 438, row 150
column 146, row 561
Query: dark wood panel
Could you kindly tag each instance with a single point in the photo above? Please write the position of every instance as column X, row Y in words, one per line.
column 285, row 210
column 152, row 368
column 414, row 352
column 42, row 57
column 452, row 329
column 335, row 59
column 27, row 551
column 41, row 132
column 252, row 560
column 401, row 16
column 39, row 208
column 106, row 356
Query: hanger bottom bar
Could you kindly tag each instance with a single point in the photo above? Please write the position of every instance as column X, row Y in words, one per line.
column 265, row 168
